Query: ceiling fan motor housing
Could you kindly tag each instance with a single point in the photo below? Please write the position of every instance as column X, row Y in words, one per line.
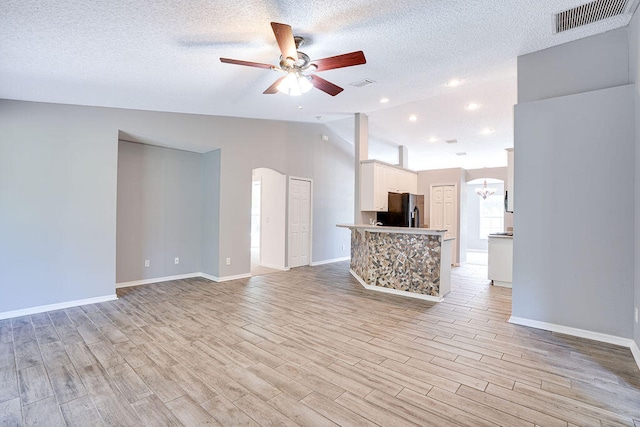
column 302, row 63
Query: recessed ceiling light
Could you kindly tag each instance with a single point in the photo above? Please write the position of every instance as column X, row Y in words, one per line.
column 454, row 82
column 472, row 106
column 413, row 118
column 488, row 131
column 432, row 139
column 384, row 100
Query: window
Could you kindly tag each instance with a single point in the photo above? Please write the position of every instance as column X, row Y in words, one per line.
column 491, row 215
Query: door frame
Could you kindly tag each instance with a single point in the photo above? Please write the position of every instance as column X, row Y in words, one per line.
column 310, row 180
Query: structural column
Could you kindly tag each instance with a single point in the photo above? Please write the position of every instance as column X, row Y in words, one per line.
column 361, row 144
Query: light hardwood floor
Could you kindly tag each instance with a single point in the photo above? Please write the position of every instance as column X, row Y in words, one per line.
column 306, row 347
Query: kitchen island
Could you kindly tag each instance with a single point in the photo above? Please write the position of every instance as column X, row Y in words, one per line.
column 414, row 262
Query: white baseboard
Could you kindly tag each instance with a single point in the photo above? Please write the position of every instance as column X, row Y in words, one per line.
column 394, row 291
column 636, row 353
column 502, row 284
column 209, row 277
column 156, row 280
column 329, row 261
column 567, row 330
column 225, row 278
column 275, row 267
column 57, row 306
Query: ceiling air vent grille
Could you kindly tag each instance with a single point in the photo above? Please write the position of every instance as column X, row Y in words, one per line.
column 591, row 12
column 363, row 83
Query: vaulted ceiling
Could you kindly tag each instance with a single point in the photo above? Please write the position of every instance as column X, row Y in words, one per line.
column 164, row 55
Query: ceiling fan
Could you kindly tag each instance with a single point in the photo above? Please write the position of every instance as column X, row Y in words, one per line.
column 295, row 63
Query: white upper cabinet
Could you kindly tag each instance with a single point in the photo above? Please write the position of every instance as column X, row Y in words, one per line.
column 378, row 179
column 372, row 181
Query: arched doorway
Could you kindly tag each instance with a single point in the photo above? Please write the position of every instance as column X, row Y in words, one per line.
column 485, row 215
column 268, row 221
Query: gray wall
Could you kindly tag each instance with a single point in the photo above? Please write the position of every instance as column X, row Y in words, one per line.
column 573, row 250
column 634, row 75
column 583, row 65
column 333, row 176
column 158, row 211
column 57, row 205
column 210, row 213
column 59, row 177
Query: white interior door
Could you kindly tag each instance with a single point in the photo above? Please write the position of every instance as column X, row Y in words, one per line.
column 449, row 210
column 444, row 213
column 437, row 207
column 299, row 222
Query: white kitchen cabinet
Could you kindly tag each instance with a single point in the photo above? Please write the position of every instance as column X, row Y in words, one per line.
column 500, row 266
column 400, row 180
column 409, row 182
column 373, row 193
column 378, row 179
column 510, row 193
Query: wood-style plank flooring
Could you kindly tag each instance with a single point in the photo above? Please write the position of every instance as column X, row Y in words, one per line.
column 306, row 347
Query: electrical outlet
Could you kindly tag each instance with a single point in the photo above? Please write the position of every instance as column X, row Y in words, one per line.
column 228, row 261
column 636, row 314
column 343, row 247
column 147, row 263
column 176, row 261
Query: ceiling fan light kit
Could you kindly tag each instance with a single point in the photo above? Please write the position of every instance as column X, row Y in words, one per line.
column 295, row 84
column 293, row 62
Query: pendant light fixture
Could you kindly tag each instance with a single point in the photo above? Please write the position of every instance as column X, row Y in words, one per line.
column 485, row 191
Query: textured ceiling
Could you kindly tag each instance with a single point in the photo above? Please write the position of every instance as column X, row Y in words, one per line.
column 163, row 55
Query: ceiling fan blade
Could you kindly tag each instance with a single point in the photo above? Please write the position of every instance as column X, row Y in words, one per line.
column 274, row 87
column 247, row 63
column 325, row 86
column 340, row 61
column 284, row 37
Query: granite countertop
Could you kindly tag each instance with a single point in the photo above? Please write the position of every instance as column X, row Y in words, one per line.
column 389, row 229
column 502, row 235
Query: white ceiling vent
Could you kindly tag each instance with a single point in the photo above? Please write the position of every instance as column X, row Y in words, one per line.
column 591, row 12
column 451, row 141
column 362, row 83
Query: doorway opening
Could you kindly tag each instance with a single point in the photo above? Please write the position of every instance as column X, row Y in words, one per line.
column 268, row 218
column 484, row 217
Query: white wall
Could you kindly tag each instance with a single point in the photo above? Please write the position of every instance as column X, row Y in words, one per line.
column 58, row 198
column 273, row 190
column 573, row 248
